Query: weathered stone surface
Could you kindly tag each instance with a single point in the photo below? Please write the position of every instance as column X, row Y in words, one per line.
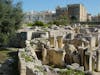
column 88, row 73
column 80, row 68
column 70, row 67
column 69, row 48
column 46, row 68
column 55, row 57
column 98, row 61
column 75, row 65
column 56, row 70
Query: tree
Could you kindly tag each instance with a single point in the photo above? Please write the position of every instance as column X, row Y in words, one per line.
column 10, row 20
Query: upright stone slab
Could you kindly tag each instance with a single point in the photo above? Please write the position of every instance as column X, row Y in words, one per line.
column 56, row 57
column 90, row 62
column 99, row 40
column 92, row 42
column 60, row 41
column 22, row 66
column 86, row 60
column 98, row 61
column 81, row 52
column 44, row 55
column 52, row 41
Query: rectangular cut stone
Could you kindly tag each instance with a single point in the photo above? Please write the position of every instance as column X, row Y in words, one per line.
column 56, row 57
column 81, row 51
column 98, row 61
column 86, row 61
column 52, row 41
column 60, row 41
column 92, row 42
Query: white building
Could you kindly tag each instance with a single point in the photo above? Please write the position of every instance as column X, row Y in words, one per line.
column 44, row 16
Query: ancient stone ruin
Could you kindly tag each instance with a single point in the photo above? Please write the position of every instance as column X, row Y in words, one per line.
column 75, row 47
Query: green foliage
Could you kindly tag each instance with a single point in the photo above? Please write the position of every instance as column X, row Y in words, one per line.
column 39, row 23
column 60, row 20
column 30, row 24
column 10, row 20
column 50, row 23
column 71, row 72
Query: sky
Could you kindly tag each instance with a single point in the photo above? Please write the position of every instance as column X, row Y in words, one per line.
column 92, row 6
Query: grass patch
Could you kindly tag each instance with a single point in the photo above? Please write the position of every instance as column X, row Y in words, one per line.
column 41, row 70
column 27, row 58
column 4, row 54
column 71, row 72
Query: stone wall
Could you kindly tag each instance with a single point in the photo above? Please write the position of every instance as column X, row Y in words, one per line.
column 54, row 57
column 22, row 63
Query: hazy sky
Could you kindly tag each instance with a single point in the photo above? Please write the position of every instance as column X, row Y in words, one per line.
column 92, row 6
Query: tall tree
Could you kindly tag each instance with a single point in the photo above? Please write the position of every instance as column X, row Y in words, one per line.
column 10, row 19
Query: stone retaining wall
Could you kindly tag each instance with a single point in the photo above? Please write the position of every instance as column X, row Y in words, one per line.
column 22, row 63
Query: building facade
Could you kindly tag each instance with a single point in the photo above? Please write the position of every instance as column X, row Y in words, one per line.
column 96, row 18
column 74, row 13
column 77, row 12
column 61, row 10
column 44, row 16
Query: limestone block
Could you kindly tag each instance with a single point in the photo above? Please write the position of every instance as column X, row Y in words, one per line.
column 88, row 61
column 60, row 41
column 56, row 57
column 98, row 61
column 52, row 41
column 44, row 55
column 81, row 52
column 92, row 42
column 69, row 48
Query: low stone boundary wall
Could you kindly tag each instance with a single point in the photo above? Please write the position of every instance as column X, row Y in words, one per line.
column 22, row 63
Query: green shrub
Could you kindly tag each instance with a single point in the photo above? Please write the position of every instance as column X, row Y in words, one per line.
column 39, row 23
column 30, row 24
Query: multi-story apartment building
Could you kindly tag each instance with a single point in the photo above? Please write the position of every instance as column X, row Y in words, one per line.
column 77, row 12
column 44, row 16
column 30, row 17
column 96, row 18
column 61, row 10
column 74, row 12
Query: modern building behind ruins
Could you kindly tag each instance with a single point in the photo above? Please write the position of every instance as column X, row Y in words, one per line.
column 96, row 18
column 74, row 13
column 44, row 16
column 61, row 11
column 77, row 12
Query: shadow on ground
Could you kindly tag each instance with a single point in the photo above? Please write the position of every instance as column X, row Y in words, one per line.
column 10, row 63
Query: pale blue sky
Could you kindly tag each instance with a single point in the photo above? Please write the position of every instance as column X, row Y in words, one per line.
column 92, row 6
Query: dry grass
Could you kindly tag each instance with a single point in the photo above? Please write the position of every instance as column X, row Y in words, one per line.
column 4, row 54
